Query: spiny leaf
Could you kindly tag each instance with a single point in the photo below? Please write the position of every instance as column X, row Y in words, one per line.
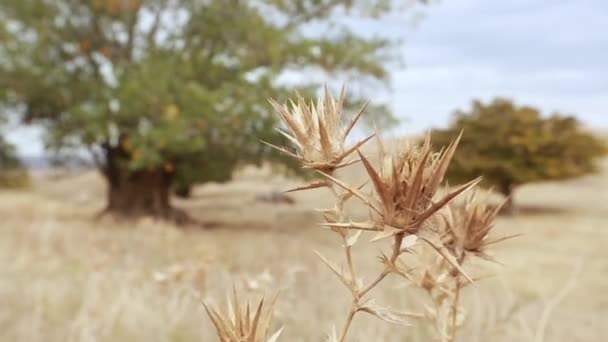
column 355, row 192
column 387, row 232
column 445, row 161
column 275, row 336
column 314, row 185
column 501, row 239
column 352, row 240
column 334, row 269
column 489, row 258
column 288, row 119
column 381, row 188
column 355, row 147
column 256, row 318
column 348, row 195
column 439, row 248
column 354, row 120
column 324, row 137
column 445, row 201
column 289, row 137
column 281, row 149
column 351, row 225
column 417, row 182
column 386, row 314
column 348, row 163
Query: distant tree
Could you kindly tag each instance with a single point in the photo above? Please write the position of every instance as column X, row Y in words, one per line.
column 12, row 172
column 512, row 145
column 160, row 90
column 8, row 158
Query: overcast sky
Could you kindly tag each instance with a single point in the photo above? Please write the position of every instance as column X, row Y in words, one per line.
column 552, row 54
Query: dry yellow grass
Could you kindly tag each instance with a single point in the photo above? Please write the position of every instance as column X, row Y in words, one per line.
column 66, row 278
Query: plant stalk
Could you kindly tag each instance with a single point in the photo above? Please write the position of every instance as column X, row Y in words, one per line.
column 388, row 269
column 349, row 320
column 455, row 303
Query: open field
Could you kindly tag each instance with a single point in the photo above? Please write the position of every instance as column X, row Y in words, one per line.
column 64, row 277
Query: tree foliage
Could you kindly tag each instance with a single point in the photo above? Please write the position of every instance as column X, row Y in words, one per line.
column 176, row 87
column 511, row 145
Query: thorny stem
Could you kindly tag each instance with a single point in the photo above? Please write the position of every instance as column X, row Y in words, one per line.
column 388, row 269
column 355, row 304
column 397, row 247
column 455, row 300
column 376, row 281
column 347, row 249
column 442, row 325
column 349, row 262
column 360, row 293
column 349, row 320
column 455, row 309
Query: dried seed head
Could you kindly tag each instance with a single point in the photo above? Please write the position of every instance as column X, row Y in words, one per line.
column 239, row 324
column 430, row 274
column 427, row 281
column 467, row 227
column 406, row 184
column 316, row 131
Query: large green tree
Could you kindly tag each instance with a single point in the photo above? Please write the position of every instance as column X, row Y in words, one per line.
column 159, row 88
column 511, row 145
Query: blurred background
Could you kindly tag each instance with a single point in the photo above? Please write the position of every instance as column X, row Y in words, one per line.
column 133, row 181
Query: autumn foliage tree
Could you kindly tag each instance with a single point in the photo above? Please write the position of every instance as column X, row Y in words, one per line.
column 159, row 89
column 512, row 145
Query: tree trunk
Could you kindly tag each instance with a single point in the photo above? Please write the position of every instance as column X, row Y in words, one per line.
column 133, row 194
column 140, row 193
column 183, row 190
column 508, row 190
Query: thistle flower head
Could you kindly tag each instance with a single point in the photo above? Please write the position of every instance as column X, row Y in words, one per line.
column 239, row 324
column 316, row 131
column 468, row 227
column 406, row 184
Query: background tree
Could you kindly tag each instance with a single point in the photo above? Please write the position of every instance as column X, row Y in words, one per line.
column 512, row 145
column 13, row 174
column 159, row 88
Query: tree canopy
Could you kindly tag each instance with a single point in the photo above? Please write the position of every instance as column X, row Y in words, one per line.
column 169, row 87
column 511, row 145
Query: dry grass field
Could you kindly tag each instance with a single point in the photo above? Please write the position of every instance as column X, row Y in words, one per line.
column 66, row 277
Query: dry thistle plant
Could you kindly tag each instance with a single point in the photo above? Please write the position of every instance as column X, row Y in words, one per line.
column 464, row 233
column 237, row 324
column 406, row 207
